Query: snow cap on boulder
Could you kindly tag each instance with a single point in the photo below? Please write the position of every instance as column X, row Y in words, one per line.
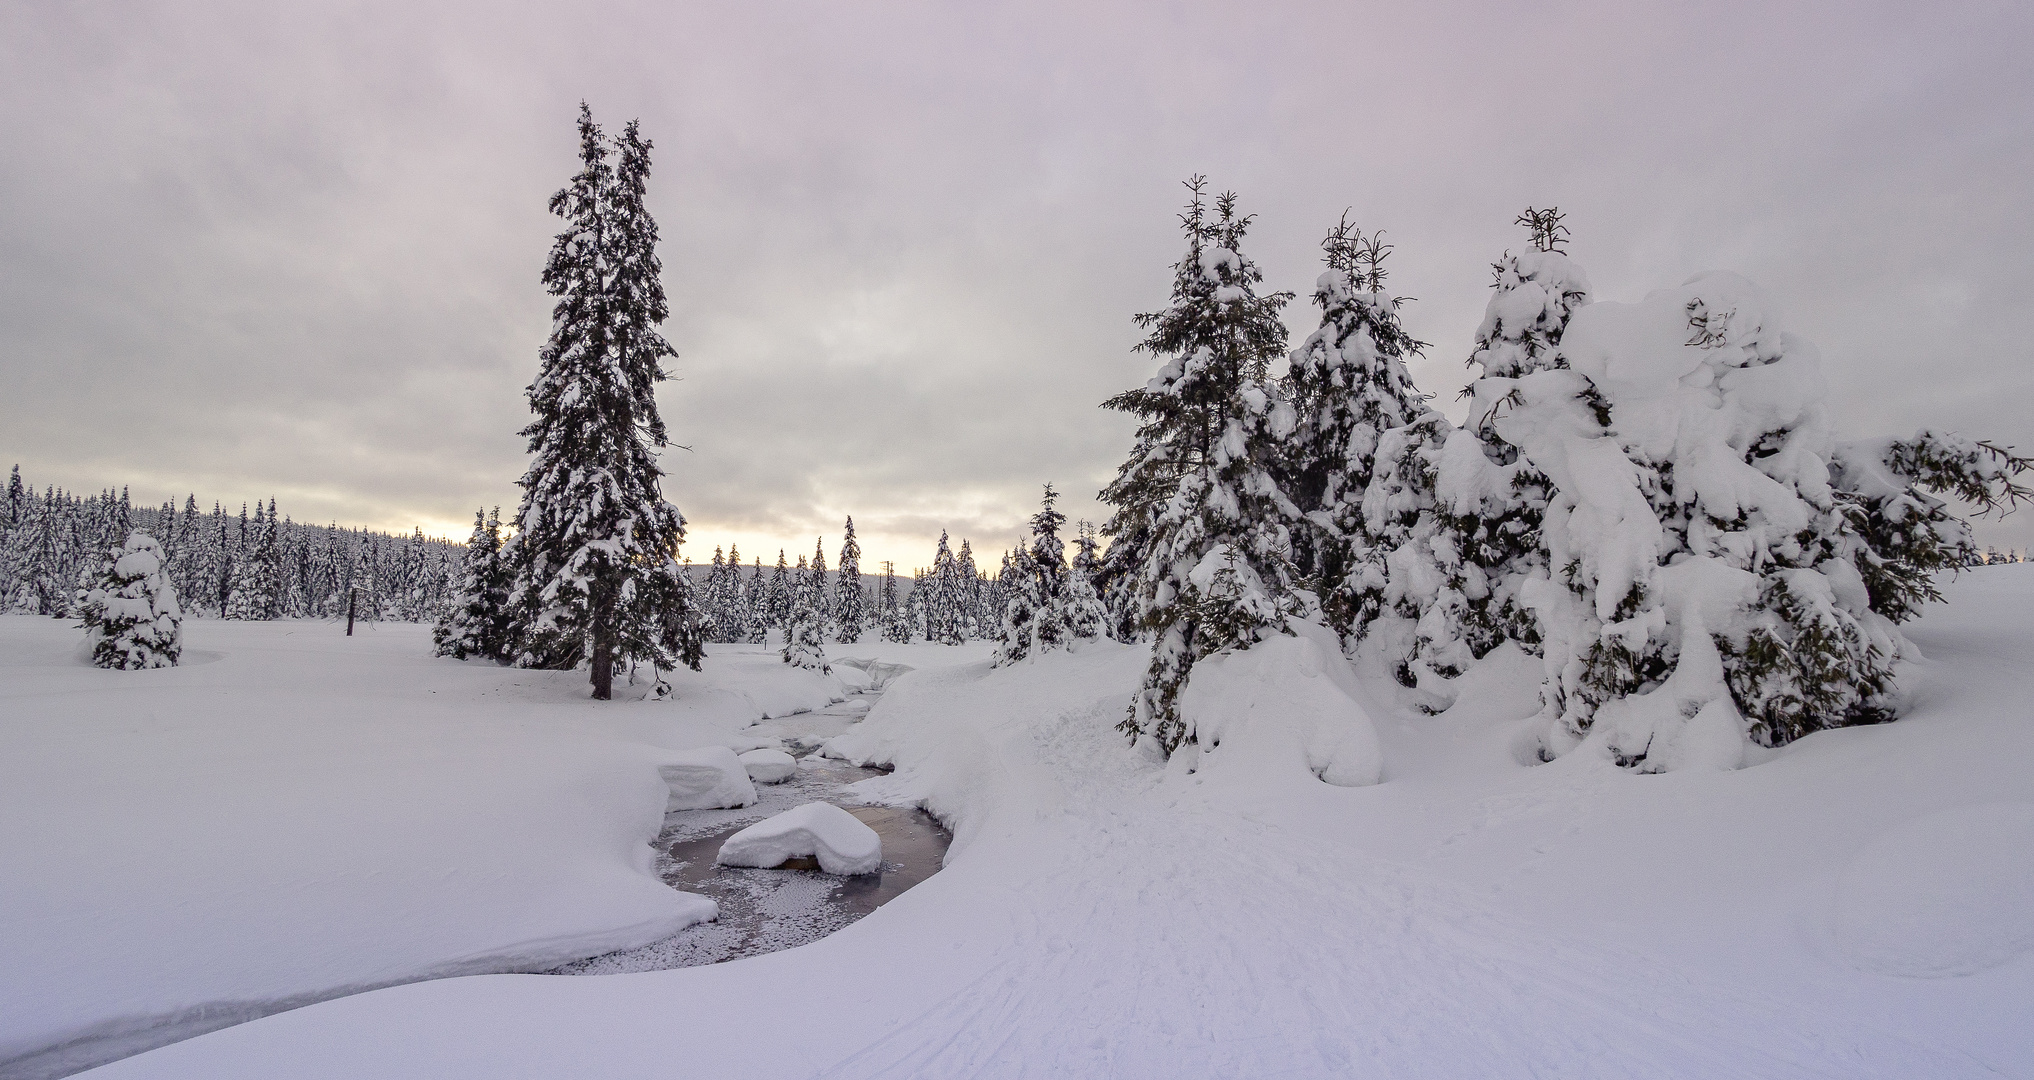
column 838, row 839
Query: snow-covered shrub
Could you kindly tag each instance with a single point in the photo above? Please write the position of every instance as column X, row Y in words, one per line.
column 131, row 614
column 1281, row 712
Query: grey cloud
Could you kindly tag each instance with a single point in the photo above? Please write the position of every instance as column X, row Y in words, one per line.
column 295, row 248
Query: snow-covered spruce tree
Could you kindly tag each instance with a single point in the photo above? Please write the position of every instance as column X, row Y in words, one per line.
column 971, row 622
column 805, row 629
column 1199, row 485
column 944, row 611
column 756, row 605
column 1048, row 566
column 850, row 613
column 476, row 623
column 821, row 594
column 779, row 597
column 1348, row 386
column 131, row 615
column 598, row 581
column 1704, row 584
column 1020, row 606
column 1086, row 618
column 1488, row 500
column 889, row 611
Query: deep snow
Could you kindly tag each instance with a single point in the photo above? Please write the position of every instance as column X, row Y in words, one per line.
column 1855, row 905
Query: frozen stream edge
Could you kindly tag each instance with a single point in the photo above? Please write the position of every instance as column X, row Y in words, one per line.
column 764, row 911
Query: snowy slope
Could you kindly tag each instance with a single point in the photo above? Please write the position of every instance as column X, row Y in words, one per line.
column 294, row 814
column 1853, row 907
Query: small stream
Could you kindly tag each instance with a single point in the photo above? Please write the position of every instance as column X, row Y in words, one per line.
column 763, row 911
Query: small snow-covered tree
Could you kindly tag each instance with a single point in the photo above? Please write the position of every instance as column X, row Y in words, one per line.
column 945, row 604
column 476, row 622
column 895, row 625
column 1014, row 637
column 131, row 615
column 804, row 631
column 1086, row 618
column 1199, row 484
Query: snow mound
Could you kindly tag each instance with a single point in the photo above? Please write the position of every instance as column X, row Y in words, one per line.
column 1948, row 894
column 1278, row 707
column 767, row 766
column 708, row 778
column 842, row 844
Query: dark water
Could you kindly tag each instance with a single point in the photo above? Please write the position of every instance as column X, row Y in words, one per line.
column 762, row 911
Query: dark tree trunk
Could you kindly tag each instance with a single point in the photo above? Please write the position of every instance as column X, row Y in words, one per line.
column 603, row 656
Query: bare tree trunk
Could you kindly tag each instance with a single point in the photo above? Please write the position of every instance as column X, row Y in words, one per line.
column 603, row 649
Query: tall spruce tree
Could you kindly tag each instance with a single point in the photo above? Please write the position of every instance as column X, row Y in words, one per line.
column 1198, row 490
column 850, row 613
column 597, row 546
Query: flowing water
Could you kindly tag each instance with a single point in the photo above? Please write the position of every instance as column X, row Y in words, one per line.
column 763, row 911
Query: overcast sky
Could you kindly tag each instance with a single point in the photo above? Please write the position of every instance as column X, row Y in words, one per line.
column 294, row 248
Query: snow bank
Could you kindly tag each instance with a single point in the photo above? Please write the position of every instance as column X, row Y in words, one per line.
column 1280, row 713
column 768, row 766
column 708, row 778
column 842, row 844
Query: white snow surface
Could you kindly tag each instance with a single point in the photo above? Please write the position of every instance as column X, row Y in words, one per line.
column 841, row 843
column 293, row 814
column 767, row 766
column 709, row 778
column 1852, row 906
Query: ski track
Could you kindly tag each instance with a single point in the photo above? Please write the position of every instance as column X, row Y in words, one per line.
column 1400, row 977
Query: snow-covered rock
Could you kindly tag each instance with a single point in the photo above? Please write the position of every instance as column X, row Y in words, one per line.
column 708, row 778
column 767, row 766
column 841, row 843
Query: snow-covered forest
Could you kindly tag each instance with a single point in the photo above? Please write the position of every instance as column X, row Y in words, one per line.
column 232, row 566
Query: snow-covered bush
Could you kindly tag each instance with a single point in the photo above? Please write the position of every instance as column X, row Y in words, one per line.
column 1702, row 584
column 131, row 614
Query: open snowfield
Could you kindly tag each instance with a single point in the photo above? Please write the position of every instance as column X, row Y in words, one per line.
column 305, row 814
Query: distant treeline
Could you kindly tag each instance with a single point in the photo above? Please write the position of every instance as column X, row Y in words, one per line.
column 236, row 566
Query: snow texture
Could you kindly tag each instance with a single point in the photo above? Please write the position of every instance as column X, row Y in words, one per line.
column 768, row 766
column 841, row 843
column 1100, row 913
column 707, row 778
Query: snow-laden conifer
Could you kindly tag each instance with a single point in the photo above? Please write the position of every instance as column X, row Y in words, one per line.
column 1199, row 484
column 1488, row 501
column 1349, row 386
column 476, row 623
column 1706, row 580
column 1086, row 618
column 596, row 547
column 1015, row 635
column 850, row 611
column 805, row 628
column 890, row 610
column 131, row 615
